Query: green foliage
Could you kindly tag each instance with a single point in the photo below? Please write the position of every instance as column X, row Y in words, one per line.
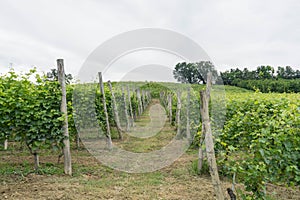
column 264, row 78
column 270, row 85
column 194, row 73
column 30, row 111
column 53, row 76
column 260, row 141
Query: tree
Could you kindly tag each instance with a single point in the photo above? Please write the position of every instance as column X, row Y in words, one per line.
column 265, row 72
column 53, row 76
column 234, row 74
column 280, row 72
column 186, row 73
column 203, row 68
column 289, row 72
column 194, row 73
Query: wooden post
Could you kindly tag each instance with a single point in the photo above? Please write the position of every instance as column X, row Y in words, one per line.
column 36, row 161
column 148, row 97
column 206, row 129
column 130, row 107
column 170, row 107
column 188, row 128
column 125, row 110
column 166, row 99
column 140, row 105
column 178, row 112
column 5, row 144
column 116, row 114
column 63, row 108
column 161, row 95
column 144, row 101
column 108, row 135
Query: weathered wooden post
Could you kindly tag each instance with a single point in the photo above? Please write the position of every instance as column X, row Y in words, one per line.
column 140, row 105
column 130, row 107
column 161, row 96
column 143, row 100
column 5, row 144
column 125, row 110
column 170, row 107
column 206, row 129
column 116, row 114
column 63, row 108
column 108, row 134
column 148, row 97
column 178, row 111
column 188, row 128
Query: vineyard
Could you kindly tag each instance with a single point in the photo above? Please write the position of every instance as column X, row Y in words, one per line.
column 256, row 137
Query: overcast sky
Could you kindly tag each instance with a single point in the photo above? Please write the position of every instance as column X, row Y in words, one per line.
column 234, row 33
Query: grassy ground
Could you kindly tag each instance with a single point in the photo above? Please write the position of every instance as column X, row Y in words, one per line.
column 91, row 180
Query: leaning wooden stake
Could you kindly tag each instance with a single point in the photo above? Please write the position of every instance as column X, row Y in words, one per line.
column 170, row 107
column 63, row 108
column 116, row 114
column 108, row 135
column 178, row 112
column 130, row 107
column 210, row 152
column 188, row 128
column 5, row 144
column 140, row 104
column 125, row 110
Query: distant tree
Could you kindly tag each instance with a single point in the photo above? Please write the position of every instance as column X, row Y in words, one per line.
column 53, row 76
column 194, row 72
column 203, row 68
column 290, row 73
column 297, row 74
column 248, row 75
column 229, row 76
column 280, row 72
column 287, row 73
column 186, row 73
column 265, row 72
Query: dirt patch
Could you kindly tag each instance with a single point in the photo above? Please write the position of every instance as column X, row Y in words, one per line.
column 94, row 181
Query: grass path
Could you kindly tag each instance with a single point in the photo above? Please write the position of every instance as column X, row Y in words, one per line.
column 152, row 131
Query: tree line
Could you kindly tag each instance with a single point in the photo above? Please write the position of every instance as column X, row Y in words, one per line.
column 263, row 78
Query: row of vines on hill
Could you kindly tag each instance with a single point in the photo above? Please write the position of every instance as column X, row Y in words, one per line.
column 30, row 110
column 270, row 85
column 258, row 143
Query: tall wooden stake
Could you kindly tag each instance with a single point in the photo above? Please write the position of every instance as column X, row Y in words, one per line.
column 210, row 152
column 5, row 144
column 178, row 112
column 130, row 107
column 170, row 107
column 140, row 104
column 116, row 114
column 125, row 110
column 63, row 108
column 188, row 128
column 144, row 100
column 108, row 135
